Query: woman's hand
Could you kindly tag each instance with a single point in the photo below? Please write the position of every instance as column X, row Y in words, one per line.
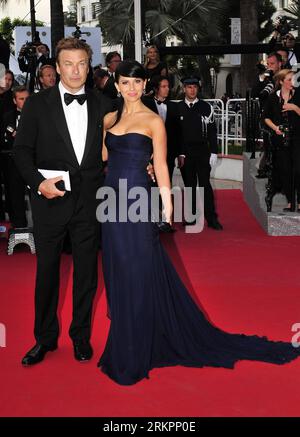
column 278, row 131
column 290, row 107
column 150, row 170
column 167, row 214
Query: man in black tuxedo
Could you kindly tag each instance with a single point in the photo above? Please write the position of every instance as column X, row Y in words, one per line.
column 61, row 129
column 168, row 112
column 112, row 61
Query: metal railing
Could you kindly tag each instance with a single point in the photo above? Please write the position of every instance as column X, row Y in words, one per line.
column 219, row 110
column 230, row 119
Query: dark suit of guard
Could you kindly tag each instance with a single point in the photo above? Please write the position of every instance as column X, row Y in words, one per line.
column 199, row 140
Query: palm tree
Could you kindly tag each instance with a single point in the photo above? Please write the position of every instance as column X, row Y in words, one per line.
column 186, row 19
column 294, row 11
column 189, row 20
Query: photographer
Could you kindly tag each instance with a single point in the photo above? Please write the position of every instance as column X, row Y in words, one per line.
column 262, row 89
column 282, row 33
column 31, row 57
column 14, row 183
column 282, row 116
column 47, row 76
column 265, row 81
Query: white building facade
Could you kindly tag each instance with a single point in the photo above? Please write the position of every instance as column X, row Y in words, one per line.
column 21, row 9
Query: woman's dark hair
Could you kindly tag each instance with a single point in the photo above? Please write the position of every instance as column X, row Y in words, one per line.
column 156, row 81
column 128, row 68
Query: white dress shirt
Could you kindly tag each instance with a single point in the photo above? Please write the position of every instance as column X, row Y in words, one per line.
column 193, row 102
column 77, row 120
column 162, row 110
column 292, row 58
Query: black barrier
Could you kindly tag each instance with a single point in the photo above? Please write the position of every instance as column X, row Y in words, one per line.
column 252, row 118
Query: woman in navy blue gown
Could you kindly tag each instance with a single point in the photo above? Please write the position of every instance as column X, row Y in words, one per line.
column 154, row 320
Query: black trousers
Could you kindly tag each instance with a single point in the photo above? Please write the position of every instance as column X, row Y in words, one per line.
column 49, row 240
column 282, row 172
column 197, row 169
column 14, row 193
column 286, row 169
column 296, row 165
column 2, row 206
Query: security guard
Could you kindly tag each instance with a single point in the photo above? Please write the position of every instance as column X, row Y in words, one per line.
column 198, row 148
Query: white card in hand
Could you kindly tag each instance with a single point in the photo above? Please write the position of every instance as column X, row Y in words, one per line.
column 48, row 174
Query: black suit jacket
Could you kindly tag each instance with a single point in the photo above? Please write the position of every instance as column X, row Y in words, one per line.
column 37, row 62
column 43, row 141
column 109, row 89
column 171, row 124
column 198, row 129
column 9, row 124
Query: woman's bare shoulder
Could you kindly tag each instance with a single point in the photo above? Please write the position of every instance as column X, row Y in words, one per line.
column 154, row 120
column 109, row 119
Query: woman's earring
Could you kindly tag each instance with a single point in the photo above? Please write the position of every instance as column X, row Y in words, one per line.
column 144, row 91
column 119, row 94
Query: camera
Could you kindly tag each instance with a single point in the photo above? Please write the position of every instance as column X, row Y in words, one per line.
column 261, row 68
column 285, row 129
column 284, row 26
column 28, row 50
column 269, row 73
column 78, row 33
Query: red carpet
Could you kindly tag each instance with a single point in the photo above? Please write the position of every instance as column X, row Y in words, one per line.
column 246, row 282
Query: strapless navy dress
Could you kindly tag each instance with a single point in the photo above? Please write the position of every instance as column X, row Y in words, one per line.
column 154, row 320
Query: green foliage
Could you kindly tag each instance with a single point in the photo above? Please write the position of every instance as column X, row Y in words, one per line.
column 7, row 26
column 70, row 17
column 186, row 19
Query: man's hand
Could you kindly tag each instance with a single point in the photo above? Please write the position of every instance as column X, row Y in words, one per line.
column 180, row 161
column 48, row 189
column 150, row 170
column 213, row 159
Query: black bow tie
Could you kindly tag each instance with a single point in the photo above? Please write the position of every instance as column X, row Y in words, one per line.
column 159, row 102
column 81, row 98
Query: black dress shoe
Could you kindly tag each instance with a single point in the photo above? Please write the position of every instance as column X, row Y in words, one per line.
column 187, row 223
column 165, row 227
column 37, row 354
column 215, row 225
column 261, row 175
column 82, row 351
